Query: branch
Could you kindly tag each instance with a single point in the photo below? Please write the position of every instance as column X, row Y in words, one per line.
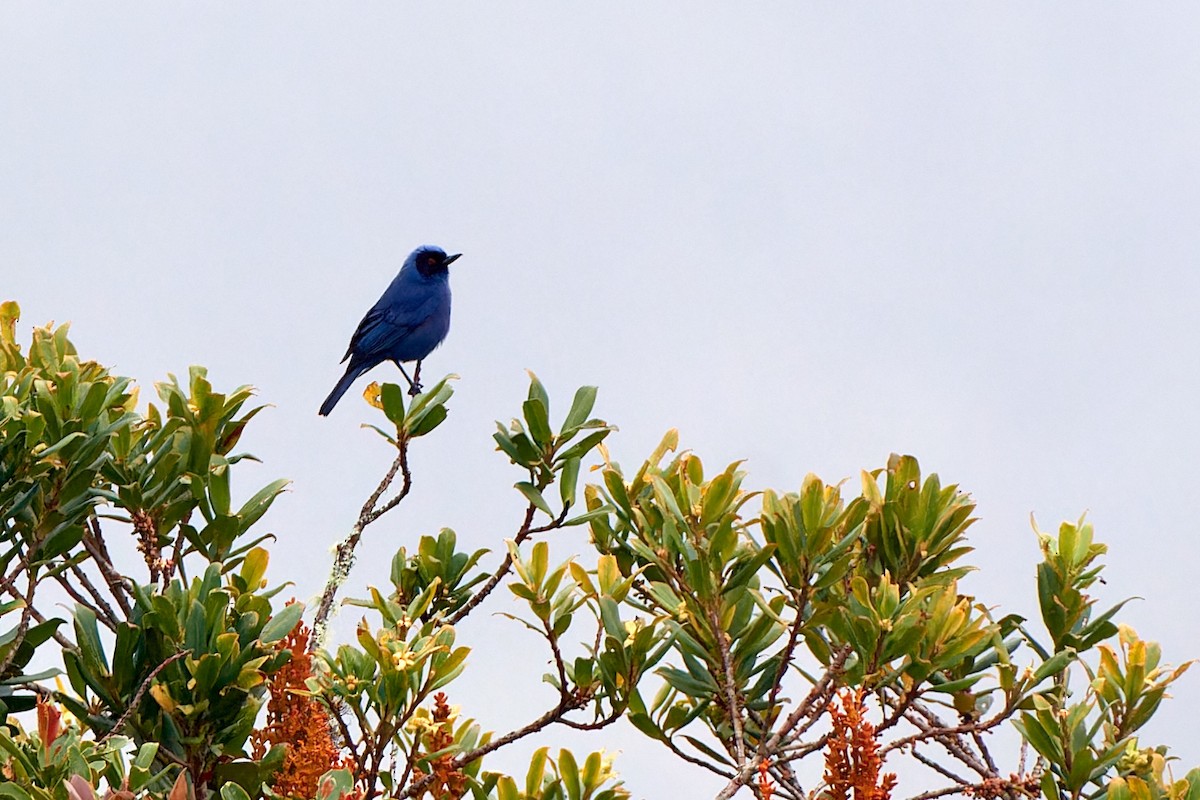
column 344, row 559
column 949, row 737
column 936, row 729
column 101, row 614
column 410, row 760
column 104, row 610
column 731, row 692
column 559, row 665
column 806, row 708
column 983, row 751
column 383, row 736
column 820, row 693
column 26, row 614
column 596, row 724
column 369, row 513
column 137, row 697
column 674, row 748
column 937, row 793
column 93, row 542
column 786, row 660
column 523, row 533
column 343, row 728
column 936, row 767
column 11, row 587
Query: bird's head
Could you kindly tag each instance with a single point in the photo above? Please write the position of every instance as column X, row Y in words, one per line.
column 430, row 261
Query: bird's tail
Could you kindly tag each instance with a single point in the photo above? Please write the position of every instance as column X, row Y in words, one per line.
column 352, row 373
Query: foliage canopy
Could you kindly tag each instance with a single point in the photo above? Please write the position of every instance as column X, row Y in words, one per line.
column 792, row 644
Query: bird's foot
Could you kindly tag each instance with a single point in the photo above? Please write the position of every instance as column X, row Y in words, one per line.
column 414, row 389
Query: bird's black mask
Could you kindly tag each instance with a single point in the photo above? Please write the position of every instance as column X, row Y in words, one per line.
column 430, row 264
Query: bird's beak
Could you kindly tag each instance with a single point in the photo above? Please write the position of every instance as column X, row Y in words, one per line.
column 454, row 257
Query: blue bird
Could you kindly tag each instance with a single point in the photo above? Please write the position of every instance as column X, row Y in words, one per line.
column 405, row 324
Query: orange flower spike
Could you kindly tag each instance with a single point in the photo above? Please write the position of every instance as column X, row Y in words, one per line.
column 449, row 782
column 852, row 762
column 765, row 788
column 298, row 721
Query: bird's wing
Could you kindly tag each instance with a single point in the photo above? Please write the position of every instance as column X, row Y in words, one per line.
column 384, row 326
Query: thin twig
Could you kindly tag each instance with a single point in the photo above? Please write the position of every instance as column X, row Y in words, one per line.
column 10, row 586
column 786, row 658
column 26, row 615
column 733, row 708
column 559, row 665
column 344, row 559
column 798, row 750
column 601, row 722
column 707, row 764
column 936, row 767
column 808, row 708
column 410, row 761
column 814, row 703
column 93, row 542
column 983, row 751
column 524, row 532
column 786, row 779
column 369, row 513
column 936, row 729
column 899, row 707
column 938, row 793
column 383, row 734
column 101, row 617
column 105, row 610
column 177, row 559
column 137, row 697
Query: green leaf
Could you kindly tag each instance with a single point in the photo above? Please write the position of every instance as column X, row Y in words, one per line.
column 568, row 480
column 583, row 446
column 88, row 636
column 1053, row 666
column 568, row 769
column 708, row 751
column 426, row 422
column 257, row 505
column 231, row 791
column 13, row 791
column 594, row 514
column 1044, row 741
column 537, row 391
column 450, row 667
column 590, row 775
column 581, row 409
column 537, row 770
column 218, row 488
column 391, row 396
column 281, row 623
column 390, row 438
column 254, row 567
column 538, row 419
column 534, row 496
column 506, row 789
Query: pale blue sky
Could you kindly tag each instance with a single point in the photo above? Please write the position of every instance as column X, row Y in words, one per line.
column 807, row 236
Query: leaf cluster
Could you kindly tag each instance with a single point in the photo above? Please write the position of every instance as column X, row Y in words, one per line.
column 720, row 620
